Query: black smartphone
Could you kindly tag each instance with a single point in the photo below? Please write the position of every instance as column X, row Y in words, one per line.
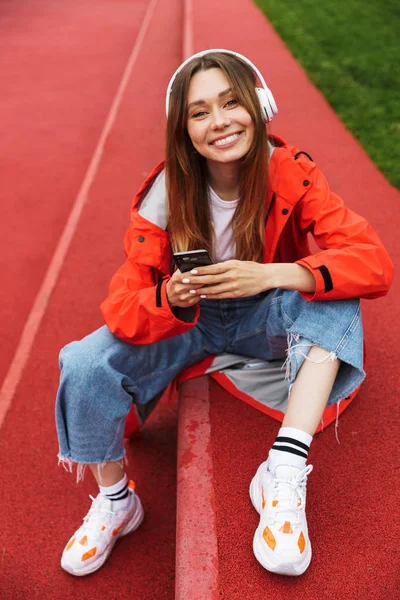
column 186, row 261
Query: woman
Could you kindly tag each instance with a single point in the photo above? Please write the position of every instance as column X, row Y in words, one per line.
column 250, row 200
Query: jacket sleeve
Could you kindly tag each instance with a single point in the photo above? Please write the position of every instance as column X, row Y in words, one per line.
column 353, row 262
column 136, row 309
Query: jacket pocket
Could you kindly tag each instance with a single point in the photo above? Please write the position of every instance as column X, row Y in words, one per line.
column 150, row 250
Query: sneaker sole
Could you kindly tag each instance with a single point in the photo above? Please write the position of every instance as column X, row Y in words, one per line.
column 289, row 569
column 132, row 525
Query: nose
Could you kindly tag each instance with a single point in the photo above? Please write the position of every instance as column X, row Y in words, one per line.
column 219, row 120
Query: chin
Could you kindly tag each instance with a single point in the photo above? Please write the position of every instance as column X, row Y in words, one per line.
column 230, row 157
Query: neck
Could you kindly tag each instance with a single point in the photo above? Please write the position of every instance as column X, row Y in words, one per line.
column 224, row 179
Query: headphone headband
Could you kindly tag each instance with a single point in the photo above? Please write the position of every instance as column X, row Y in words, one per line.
column 266, row 98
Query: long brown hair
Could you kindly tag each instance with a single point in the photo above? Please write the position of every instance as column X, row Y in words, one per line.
column 189, row 222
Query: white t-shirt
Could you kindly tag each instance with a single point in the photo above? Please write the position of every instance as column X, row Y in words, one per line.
column 222, row 212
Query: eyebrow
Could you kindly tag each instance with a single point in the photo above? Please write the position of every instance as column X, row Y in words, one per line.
column 220, row 95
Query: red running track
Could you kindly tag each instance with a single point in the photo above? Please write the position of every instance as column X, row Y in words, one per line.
column 353, row 492
column 63, row 65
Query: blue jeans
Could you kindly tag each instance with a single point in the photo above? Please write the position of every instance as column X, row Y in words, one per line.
column 101, row 375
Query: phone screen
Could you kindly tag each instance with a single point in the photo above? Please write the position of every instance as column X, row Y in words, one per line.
column 186, row 261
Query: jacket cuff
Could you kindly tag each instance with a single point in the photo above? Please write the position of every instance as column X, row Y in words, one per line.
column 188, row 315
column 323, row 280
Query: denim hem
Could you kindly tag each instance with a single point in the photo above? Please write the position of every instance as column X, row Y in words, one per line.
column 295, row 359
column 348, row 391
column 68, row 463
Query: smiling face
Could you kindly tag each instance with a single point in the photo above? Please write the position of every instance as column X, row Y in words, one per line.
column 219, row 127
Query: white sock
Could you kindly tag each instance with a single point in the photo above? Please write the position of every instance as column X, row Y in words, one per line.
column 290, row 448
column 118, row 494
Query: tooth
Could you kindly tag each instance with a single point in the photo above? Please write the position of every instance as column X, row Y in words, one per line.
column 227, row 140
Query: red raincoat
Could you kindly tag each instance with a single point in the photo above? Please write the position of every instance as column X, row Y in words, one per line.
column 351, row 263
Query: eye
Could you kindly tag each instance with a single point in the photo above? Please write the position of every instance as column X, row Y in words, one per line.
column 200, row 113
column 232, row 102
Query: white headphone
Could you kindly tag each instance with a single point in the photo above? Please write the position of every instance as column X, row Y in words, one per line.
column 267, row 102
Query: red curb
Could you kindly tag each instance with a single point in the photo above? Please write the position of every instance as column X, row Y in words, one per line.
column 196, row 573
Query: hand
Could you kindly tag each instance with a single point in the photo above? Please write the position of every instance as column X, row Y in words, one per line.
column 178, row 293
column 231, row 279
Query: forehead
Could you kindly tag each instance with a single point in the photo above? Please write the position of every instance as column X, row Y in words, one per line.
column 206, row 85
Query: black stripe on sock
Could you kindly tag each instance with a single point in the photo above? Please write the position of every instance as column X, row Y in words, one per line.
column 119, row 497
column 290, row 440
column 110, row 496
column 289, row 449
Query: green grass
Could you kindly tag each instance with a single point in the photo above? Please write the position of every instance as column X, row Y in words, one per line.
column 351, row 51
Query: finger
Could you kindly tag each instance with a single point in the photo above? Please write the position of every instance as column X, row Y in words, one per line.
column 189, row 298
column 216, row 296
column 185, row 289
column 215, row 269
column 191, row 283
column 176, row 276
column 221, row 288
column 197, row 281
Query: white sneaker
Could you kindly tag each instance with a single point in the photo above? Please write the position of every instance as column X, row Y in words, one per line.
column 281, row 543
column 90, row 546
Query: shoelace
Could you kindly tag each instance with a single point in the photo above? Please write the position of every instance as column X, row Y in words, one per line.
column 297, row 488
column 92, row 526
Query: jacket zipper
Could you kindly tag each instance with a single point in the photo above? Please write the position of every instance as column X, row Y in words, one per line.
column 270, row 208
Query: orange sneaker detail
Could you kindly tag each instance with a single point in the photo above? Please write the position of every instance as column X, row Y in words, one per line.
column 269, row 538
column 274, row 502
column 286, row 528
column 103, row 528
column 70, row 544
column 83, row 541
column 89, row 554
column 263, row 499
column 301, row 543
column 118, row 529
column 299, row 503
column 132, row 485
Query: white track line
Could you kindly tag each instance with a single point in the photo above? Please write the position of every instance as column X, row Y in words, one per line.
column 39, row 307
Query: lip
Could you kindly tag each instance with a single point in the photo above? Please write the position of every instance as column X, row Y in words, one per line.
column 222, row 137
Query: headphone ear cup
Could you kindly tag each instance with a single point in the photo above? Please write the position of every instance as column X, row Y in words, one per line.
column 267, row 103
